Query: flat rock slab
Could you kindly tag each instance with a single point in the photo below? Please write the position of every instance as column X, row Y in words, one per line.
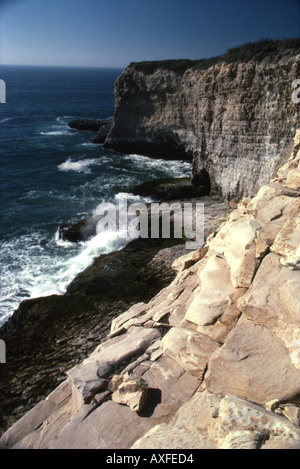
column 192, row 350
column 27, row 424
column 273, row 300
column 257, row 363
column 89, row 377
column 165, row 436
column 214, row 293
column 114, row 426
column 111, row 426
column 236, row 243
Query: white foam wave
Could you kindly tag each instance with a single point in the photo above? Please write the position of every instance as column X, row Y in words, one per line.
column 80, row 166
column 100, row 244
column 6, row 120
column 57, row 132
column 176, row 168
column 61, row 118
column 118, row 202
column 33, row 268
column 132, row 198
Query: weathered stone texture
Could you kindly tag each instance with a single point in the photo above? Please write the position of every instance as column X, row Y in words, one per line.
column 211, row 362
column 234, row 120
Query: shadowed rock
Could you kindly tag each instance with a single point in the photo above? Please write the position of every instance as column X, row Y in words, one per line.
column 88, row 124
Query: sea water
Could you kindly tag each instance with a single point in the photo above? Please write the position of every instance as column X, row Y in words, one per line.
column 53, row 175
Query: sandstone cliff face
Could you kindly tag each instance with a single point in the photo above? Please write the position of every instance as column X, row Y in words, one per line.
column 233, row 117
column 211, row 362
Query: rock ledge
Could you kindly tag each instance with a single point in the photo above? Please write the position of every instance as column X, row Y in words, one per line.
column 218, row 350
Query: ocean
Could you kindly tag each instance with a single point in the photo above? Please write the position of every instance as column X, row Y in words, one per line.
column 52, row 175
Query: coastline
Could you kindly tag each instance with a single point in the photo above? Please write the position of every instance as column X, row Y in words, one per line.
column 203, row 364
column 47, row 336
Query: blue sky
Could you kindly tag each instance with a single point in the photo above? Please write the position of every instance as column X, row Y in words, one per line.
column 113, row 33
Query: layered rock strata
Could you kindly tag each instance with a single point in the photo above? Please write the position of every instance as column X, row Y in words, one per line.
column 218, row 350
column 232, row 115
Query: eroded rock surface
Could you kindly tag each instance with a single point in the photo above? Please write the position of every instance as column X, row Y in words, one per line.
column 218, row 349
column 233, row 116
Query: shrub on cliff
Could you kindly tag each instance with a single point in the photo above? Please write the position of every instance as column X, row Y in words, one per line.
column 257, row 51
column 178, row 66
column 249, row 52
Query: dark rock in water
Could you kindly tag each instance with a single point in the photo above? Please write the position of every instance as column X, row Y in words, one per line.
column 166, row 146
column 171, row 189
column 126, row 274
column 80, row 231
column 87, row 124
column 102, row 133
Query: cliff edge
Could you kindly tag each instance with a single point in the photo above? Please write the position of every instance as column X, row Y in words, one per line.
column 211, row 362
column 232, row 115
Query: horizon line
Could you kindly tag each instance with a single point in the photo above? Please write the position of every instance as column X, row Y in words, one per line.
column 62, row 66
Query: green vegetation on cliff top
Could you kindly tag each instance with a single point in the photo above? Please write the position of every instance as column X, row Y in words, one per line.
column 266, row 49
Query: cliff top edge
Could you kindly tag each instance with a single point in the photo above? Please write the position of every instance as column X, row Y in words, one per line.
column 265, row 50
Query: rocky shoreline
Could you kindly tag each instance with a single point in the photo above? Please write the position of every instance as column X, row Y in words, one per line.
column 100, row 127
column 212, row 361
column 156, row 346
column 46, row 336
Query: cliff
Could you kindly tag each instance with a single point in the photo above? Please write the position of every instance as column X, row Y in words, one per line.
column 211, row 362
column 232, row 115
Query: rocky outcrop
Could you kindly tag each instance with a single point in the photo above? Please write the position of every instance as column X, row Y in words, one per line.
column 80, row 231
column 170, row 189
column 128, row 391
column 88, row 124
column 232, row 115
column 101, row 127
column 102, row 133
column 211, row 362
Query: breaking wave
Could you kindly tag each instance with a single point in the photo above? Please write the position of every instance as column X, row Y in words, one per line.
column 80, row 166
